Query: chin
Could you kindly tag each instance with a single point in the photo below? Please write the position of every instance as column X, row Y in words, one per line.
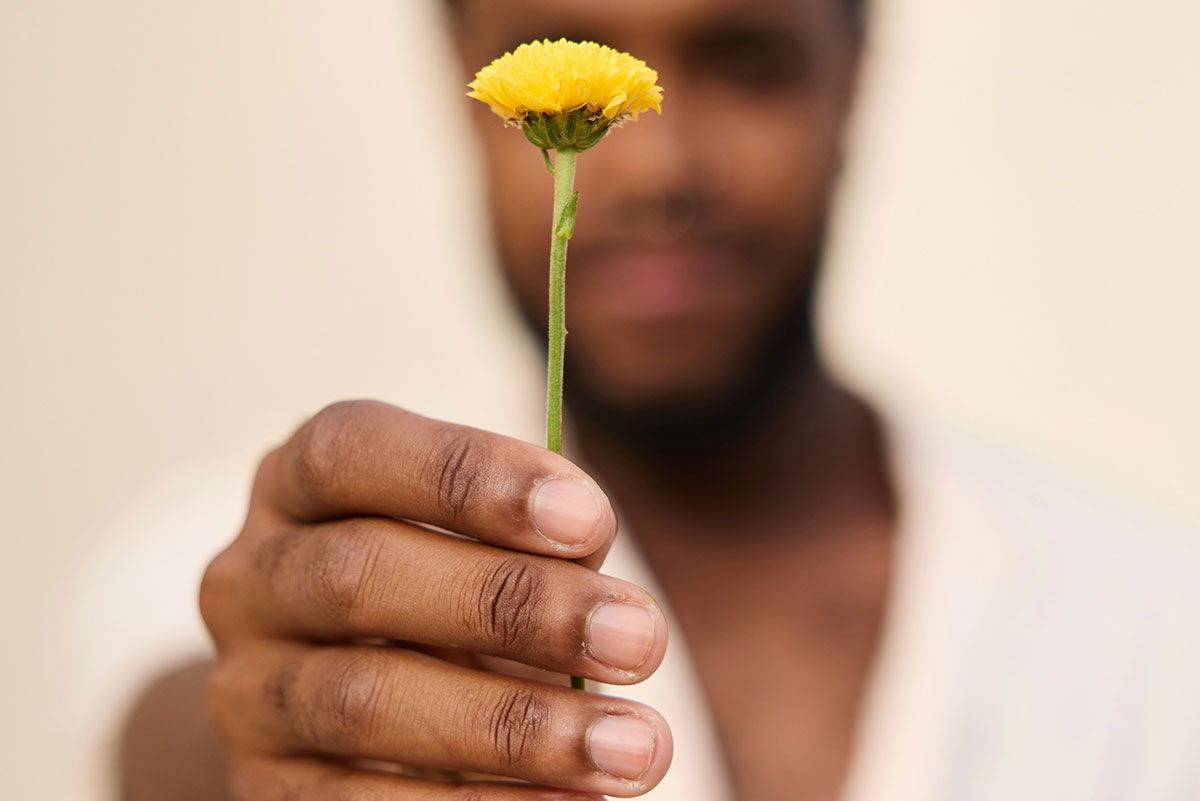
column 652, row 385
column 684, row 417
column 673, row 388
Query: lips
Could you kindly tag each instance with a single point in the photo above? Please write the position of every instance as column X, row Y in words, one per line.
column 650, row 283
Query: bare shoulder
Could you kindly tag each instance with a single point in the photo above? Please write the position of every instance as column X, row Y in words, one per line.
column 168, row 748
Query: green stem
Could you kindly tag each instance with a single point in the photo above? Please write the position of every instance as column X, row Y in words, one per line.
column 565, row 202
column 564, row 226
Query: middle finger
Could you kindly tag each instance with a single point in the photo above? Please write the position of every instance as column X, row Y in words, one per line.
column 372, row 577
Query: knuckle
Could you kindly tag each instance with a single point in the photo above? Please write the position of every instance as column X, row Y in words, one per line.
column 217, row 588
column 344, row 789
column 468, row 793
column 457, row 467
column 244, row 782
column 222, row 702
column 517, row 722
column 337, row 788
column 271, row 553
column 507, row 601
column 345, row 570
column 279, row 691
column 321, row 445
column 264, row 473
column 256, row 779
column 350, row 699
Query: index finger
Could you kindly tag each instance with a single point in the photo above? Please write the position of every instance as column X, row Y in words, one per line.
column 369, row 458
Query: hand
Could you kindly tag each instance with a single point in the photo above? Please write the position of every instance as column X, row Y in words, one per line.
column 344, row 622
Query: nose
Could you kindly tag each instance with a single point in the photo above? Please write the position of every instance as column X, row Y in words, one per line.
column 653, row 179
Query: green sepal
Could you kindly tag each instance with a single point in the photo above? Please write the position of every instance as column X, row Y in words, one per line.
column 581, row 129
column 565, row 229
column 549, row 164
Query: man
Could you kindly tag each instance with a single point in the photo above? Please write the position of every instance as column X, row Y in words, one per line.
column 354, row 635
column 697, row 402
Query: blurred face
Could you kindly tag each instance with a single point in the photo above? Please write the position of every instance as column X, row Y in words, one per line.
column 697, row 230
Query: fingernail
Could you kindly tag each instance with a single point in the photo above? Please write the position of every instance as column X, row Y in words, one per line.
column 621, row 745
column 565, row 512
column 621, row 635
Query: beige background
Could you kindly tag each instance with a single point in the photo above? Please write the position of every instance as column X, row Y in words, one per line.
column 215, row 217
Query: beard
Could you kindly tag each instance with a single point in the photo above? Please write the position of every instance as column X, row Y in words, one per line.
column 714, row 424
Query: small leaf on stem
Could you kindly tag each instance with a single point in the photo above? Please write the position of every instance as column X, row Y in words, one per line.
column 565, row 229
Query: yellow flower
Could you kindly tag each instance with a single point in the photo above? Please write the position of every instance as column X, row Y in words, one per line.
column 567, row 94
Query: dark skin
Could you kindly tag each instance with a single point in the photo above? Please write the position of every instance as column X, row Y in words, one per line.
column 698, row 234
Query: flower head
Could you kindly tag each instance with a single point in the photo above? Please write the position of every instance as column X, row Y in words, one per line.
column 567, row 94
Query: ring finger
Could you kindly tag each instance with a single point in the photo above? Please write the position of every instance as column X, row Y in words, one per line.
column 371, row 577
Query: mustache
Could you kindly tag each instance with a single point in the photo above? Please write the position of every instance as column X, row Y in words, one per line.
column 656, row 219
